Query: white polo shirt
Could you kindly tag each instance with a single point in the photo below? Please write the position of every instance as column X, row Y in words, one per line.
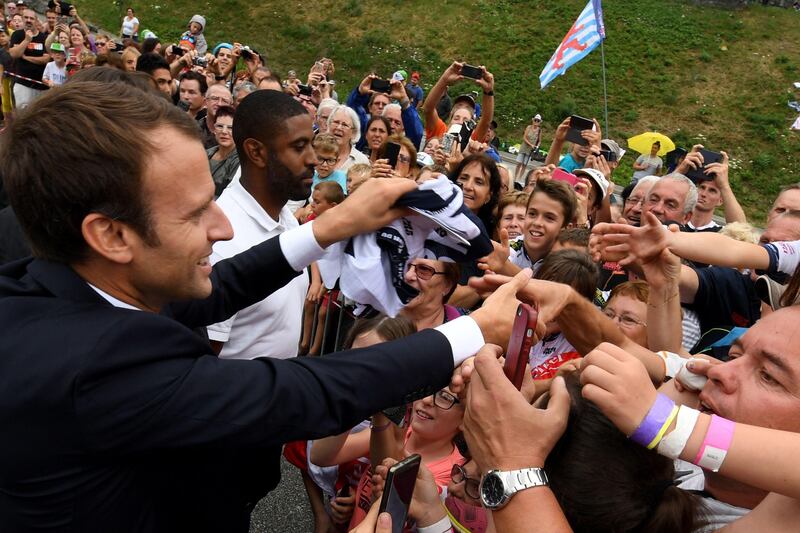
column 272, row 326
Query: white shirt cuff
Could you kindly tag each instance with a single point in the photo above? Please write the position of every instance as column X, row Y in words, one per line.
column 442, row 526
column 464, row 336
column 300, row 247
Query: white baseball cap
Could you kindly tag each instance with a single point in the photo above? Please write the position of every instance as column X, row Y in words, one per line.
column 598, row 178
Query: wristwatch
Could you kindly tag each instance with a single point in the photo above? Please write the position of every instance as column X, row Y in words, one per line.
column 497, row 487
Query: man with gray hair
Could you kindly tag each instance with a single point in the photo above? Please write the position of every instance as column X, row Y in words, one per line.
column 242, row 90
column 216, row 96
column 671, row 199
column 324, row 113
column 632, row 209
column 393, row 113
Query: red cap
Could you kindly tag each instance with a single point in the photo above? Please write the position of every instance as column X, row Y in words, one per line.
column 415, row 74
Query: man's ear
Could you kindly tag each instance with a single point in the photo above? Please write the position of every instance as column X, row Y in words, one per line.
column 256, row 152
column 109, row 238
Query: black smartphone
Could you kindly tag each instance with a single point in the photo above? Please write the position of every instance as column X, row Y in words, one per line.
column 519, row 346
column 380, row 86
column 469, row 71
column 609, row 155
column 576, row 126
column 708, row 158
column 392, row 153
column 304, row 89
column 65, row 9
column 398, row 490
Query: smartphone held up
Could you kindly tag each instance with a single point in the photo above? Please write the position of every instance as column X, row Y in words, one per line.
column 398, row 490
column 523, row 334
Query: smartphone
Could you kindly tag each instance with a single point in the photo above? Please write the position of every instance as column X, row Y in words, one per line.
column 519, row 347
column 468, row 71
column 392, row 153
column 609, row 155
column 447, row 143
column 560, row 174
column 380, row 86
column 398, row 490
column 708, row 158
column 304, row 89
column 576, row 126
column 65, row 9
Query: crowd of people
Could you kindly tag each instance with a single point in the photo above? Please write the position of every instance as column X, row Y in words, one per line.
column 165, row 304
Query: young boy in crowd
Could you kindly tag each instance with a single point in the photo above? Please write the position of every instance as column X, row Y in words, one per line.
column 55, row 72
column 193, row 38
column 552, row 206
column 326, row 195
column 327, row 149
column 356, row 175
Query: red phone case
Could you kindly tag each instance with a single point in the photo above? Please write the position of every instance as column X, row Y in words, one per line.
column 519, row 347
column 563, row 175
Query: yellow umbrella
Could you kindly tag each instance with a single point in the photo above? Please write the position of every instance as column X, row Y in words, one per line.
column 643, row 142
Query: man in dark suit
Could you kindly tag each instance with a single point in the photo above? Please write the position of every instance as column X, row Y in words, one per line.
column 115, row 414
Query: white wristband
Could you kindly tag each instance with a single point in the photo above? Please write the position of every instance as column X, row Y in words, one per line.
column 690, row 380
column 672, row 363
column 673, row 444
column 442, row 526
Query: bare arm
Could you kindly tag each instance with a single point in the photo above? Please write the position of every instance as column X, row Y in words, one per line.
column 664, row 327
column 733, row 211
column 464, row 296
column 487, row 105
column 18, row 50
column 338, row 449
column 43, row 60
column 450, row 75
column 554, row 155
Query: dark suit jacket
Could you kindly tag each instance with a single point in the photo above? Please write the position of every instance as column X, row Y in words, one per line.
column 122, row 420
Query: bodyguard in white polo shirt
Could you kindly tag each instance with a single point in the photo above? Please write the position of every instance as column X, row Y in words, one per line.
column 276, row 167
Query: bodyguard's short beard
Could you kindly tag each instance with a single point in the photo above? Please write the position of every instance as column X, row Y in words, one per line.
column 283, row 183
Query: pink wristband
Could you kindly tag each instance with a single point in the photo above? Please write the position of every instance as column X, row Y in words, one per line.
column 715, row 444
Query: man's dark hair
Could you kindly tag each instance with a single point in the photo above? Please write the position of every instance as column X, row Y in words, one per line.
column 262, row 116
column 140, row 80
column 149, row 45
column 53, row 190
column 199, row 78
column 150, row 62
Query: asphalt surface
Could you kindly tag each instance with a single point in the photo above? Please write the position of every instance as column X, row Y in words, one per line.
column 285, row 509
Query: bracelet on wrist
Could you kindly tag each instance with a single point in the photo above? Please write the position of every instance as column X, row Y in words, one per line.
column 488, row 93
column 658, row 419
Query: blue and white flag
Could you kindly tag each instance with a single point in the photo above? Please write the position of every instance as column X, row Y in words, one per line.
column 584, row 36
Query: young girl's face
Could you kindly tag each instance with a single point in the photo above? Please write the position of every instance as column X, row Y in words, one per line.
column 194, row 27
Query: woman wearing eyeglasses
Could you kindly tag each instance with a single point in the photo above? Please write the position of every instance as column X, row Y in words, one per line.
column 627, row 305
column 223, row 158
column 435, row 281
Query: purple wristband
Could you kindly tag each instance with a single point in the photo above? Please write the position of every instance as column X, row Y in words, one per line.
column 654, row 421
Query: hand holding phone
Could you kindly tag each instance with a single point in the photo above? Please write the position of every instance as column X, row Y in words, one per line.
column 380, row 86
column 523, row 333
column 392, row 153
column 560, row 174
column 469, row 71
column 576, row 126
column 697, row 175
column 398, row 490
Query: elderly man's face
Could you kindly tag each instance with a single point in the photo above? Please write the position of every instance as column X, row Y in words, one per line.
column 378, row 103
column 666, row 200
column 393, row 115
column 216, row 96
column 786, row 201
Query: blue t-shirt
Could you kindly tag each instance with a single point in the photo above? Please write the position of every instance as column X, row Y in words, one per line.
column 417, row 94
column 569, row 164
column 337, row 175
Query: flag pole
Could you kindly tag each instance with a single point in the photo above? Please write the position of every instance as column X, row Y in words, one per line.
column 605, row 88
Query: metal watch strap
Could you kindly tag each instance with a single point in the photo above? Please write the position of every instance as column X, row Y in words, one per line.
column 525, row 478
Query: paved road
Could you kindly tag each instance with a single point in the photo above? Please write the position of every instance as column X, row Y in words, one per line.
column 285, row 509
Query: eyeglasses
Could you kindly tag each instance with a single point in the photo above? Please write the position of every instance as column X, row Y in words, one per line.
column 444, row 400
column 424, row 272
column 223, row 127
column 404, row 159
column 471, row 485
column 220, row 99
column 101, row 43
column 343, row 125
column 626, row 321
column 634, row 201
column 328, row 160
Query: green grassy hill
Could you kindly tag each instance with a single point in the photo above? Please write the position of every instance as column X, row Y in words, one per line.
column 698, row 74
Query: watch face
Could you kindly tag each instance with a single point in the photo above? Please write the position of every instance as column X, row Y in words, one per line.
column 492, row 490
